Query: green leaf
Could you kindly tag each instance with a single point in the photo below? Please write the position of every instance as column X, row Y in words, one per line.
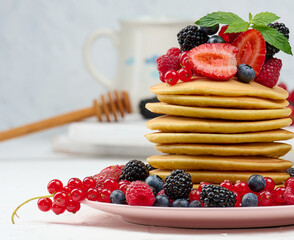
column 250, row 17
column 275, row 38
column 218, row 17
column 264, row 18
column 235, row 27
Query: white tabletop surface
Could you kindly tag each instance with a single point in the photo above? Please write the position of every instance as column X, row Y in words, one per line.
column 27, row 164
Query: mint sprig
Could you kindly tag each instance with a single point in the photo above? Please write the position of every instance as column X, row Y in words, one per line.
column 258, row 22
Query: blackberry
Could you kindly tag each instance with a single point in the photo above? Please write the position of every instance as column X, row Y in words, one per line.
column 134, row 170
column 144, row 111
column 149, row 167
column 190, row 37
column 178, row 184
column 290, row 171
column 217, row 196
column 271, row 50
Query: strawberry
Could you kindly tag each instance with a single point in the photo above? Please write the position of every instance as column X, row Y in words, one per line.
column 252, row 49
column 228, row 37
column 214, row 60
column 270, row 72
column 111, row 172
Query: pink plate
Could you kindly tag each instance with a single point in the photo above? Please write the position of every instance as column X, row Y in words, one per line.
column 248, row 217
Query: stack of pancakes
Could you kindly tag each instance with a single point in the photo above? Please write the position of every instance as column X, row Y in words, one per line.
column 218, row 130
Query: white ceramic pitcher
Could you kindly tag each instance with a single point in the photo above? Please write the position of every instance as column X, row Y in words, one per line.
column 139, row 43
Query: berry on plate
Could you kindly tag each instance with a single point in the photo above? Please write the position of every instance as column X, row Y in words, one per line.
column 210, row 30
column 249, row 200
column 134, row 170
column 256, row 183
column 162, row 201
column 216, row 39
column 270, row 72
column 139, row 194
column 252, row 49
column 215, row 60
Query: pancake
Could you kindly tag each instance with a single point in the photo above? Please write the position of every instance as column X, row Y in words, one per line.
column 264, row 136
column 218, row 113
column 219, row 176
column 225, row 102
column 185, row 162
column 185, row 124
column 232, row 88
column 272, row 149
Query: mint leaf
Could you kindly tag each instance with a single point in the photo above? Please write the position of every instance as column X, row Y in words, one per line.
column 264, row 18
column 275, row 38
column 218, row 17
column 236, row 27
column 250, row 17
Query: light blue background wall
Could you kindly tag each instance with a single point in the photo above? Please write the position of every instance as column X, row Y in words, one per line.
column 41, row 66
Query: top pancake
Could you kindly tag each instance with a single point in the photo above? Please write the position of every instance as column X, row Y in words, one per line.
column 220, row 101
column 231, row 88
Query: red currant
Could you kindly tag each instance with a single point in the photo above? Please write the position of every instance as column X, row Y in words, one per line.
column 61, row 198
column 186, row 64
column 183, row 56
column 74, row 183
column 54, row 186
column 241, row 187
column 171, row 77
column 92, row 194
column 227, row 184
column 77, row 195
column 194, row 195
column 288, row 180
column 105, row 195
column 270, row 184
column 161, row 77
column 44, row 204
column 265, row 198
column 99, row 189
column 185, row 74
column 278, row 194
column 238, row 200
column 110, row 184
column 123, row 188
column 57, row 209
column 73, row 206
column 201, row 184
column 89, row 182
column 121, row 182
column 66, row 190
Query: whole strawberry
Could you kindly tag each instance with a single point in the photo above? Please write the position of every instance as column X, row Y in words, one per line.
column 111, row 172
column 270, row 72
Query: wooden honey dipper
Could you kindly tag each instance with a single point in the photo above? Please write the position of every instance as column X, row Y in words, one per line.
column 120, row 102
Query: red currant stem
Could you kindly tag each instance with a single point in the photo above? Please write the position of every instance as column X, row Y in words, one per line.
column 14, row 212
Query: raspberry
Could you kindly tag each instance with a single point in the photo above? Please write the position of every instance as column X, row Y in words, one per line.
column 139, row 194
column 173, row 52
column 228, row 37
column 168, row 62
column 289, row 193
column 270, row 72
column 283, row 85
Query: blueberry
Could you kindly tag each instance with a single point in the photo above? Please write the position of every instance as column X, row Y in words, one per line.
column 118, row 197
column 181, row 202
column 216, row 39
column 210, row 30
column 154, row 181
column 195, row 203
column 162, row 201
column 256, row 183
column 249, row 200
column 245, row 73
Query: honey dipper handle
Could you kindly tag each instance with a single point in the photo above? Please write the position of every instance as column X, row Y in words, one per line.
column 47, row 123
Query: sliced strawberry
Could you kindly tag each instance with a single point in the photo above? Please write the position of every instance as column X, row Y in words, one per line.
column 214, row 60
column 228, row 37
column 252, row 49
